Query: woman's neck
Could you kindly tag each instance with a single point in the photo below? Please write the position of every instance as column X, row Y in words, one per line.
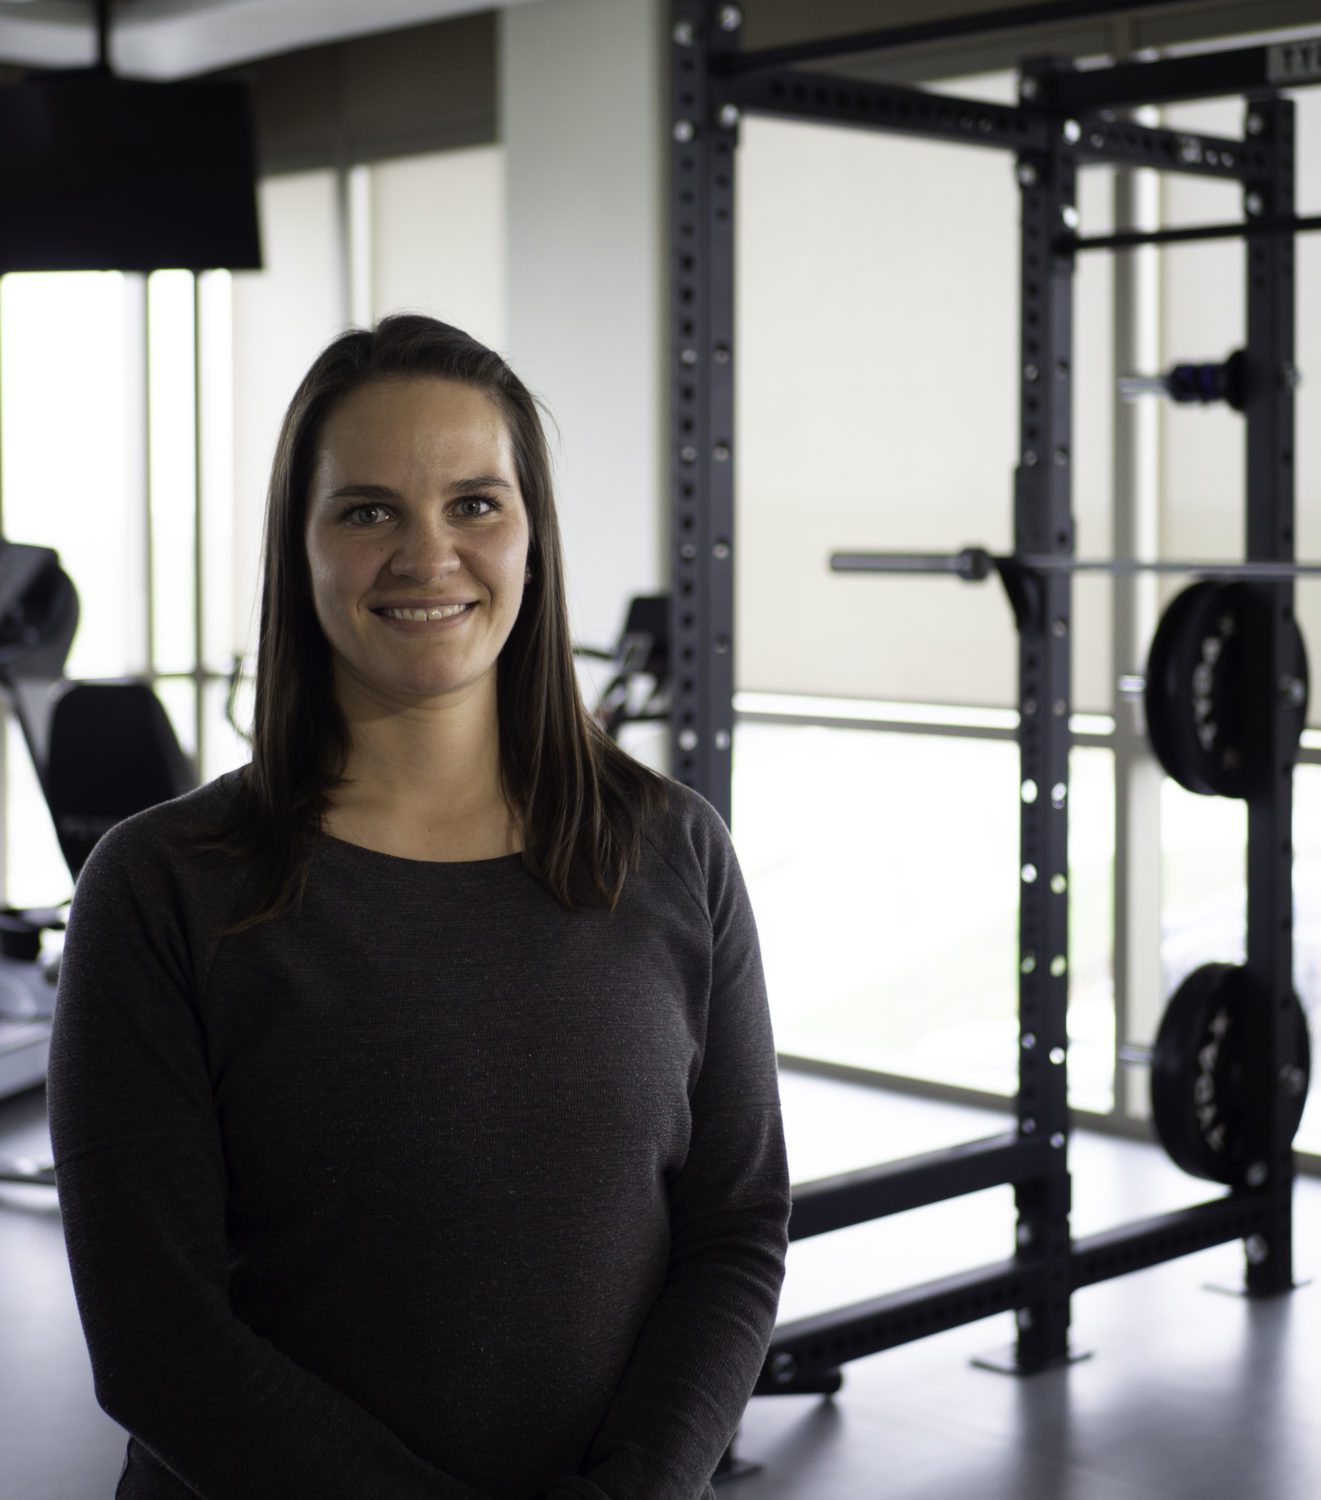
column 423, row 777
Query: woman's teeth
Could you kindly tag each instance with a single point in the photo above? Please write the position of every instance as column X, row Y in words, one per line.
column 440, row 613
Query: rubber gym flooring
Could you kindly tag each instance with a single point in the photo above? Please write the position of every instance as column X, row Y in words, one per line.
column 1189, row 1394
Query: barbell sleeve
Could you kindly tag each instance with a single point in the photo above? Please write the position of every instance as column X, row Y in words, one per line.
column 973, row 563
column 1133, row 386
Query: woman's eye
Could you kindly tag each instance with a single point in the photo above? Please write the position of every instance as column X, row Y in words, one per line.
column 368, row 516
column 480, row 500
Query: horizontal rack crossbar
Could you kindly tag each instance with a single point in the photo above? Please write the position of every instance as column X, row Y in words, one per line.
column 889, row 107
column 1043, row 12
column 821, row 1343
column 896, row 1186
column 1151, row 1242
column 1125, row 143
column 1208, row 75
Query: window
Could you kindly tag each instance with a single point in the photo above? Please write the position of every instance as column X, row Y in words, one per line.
column 883, row 869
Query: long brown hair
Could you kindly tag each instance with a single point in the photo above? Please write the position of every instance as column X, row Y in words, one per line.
column 582, row 800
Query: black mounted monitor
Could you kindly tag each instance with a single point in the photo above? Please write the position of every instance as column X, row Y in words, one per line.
column 99, row 173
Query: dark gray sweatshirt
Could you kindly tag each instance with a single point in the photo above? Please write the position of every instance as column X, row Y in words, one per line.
column 431, row 1190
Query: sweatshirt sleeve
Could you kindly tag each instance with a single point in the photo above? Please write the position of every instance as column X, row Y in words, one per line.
column 684, row 1392
column 141, row 1174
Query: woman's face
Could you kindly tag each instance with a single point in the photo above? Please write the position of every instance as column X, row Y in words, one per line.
column 414, row 507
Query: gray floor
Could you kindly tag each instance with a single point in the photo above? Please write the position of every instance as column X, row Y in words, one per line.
column 1188, row 1393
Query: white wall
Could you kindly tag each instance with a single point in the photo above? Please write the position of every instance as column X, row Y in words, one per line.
column 438, row 239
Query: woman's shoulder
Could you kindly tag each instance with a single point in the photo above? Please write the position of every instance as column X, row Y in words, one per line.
column 172, row 831
column 689, row 835
column 685, row 813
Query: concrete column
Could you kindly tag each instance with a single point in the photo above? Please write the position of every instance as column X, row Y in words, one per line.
column 582, row 117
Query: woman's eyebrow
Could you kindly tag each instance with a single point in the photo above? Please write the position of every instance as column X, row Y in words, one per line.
column 482, row 482
column 365, row 491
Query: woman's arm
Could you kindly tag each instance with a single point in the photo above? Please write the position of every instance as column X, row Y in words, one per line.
column 142, row 1182
column 702, row 1347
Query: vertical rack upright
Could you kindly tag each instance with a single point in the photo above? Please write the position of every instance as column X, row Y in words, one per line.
column 702, row 407
column 1043, row 525
column 1269, row 411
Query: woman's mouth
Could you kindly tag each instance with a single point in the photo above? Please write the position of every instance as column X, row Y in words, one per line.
column 423, row 616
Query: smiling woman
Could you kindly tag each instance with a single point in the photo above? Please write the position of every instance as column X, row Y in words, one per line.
column 417, row 543
column 443, row 1022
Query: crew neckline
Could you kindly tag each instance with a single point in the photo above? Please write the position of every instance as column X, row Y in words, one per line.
column 360, row 852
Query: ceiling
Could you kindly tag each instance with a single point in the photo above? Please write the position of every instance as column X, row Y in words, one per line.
column 177, row 38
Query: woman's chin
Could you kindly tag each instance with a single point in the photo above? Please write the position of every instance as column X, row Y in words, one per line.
column 362, row 694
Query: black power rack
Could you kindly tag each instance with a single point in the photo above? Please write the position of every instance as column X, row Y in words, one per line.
column 1065, row 120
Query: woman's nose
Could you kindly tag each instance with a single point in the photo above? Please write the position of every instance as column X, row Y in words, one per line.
column 425, row 552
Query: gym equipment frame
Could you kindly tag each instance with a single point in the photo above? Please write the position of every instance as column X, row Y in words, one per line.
column 1062, row 123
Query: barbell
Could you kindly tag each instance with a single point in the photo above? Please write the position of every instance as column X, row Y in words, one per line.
column 973, row 564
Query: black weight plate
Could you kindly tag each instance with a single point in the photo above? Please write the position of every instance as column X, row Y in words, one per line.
column 1200, row 1088
column 1164, row 695
column 1208, row 703
column 1233, row 1084
column 1242, row 691
column 1184, row 1030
